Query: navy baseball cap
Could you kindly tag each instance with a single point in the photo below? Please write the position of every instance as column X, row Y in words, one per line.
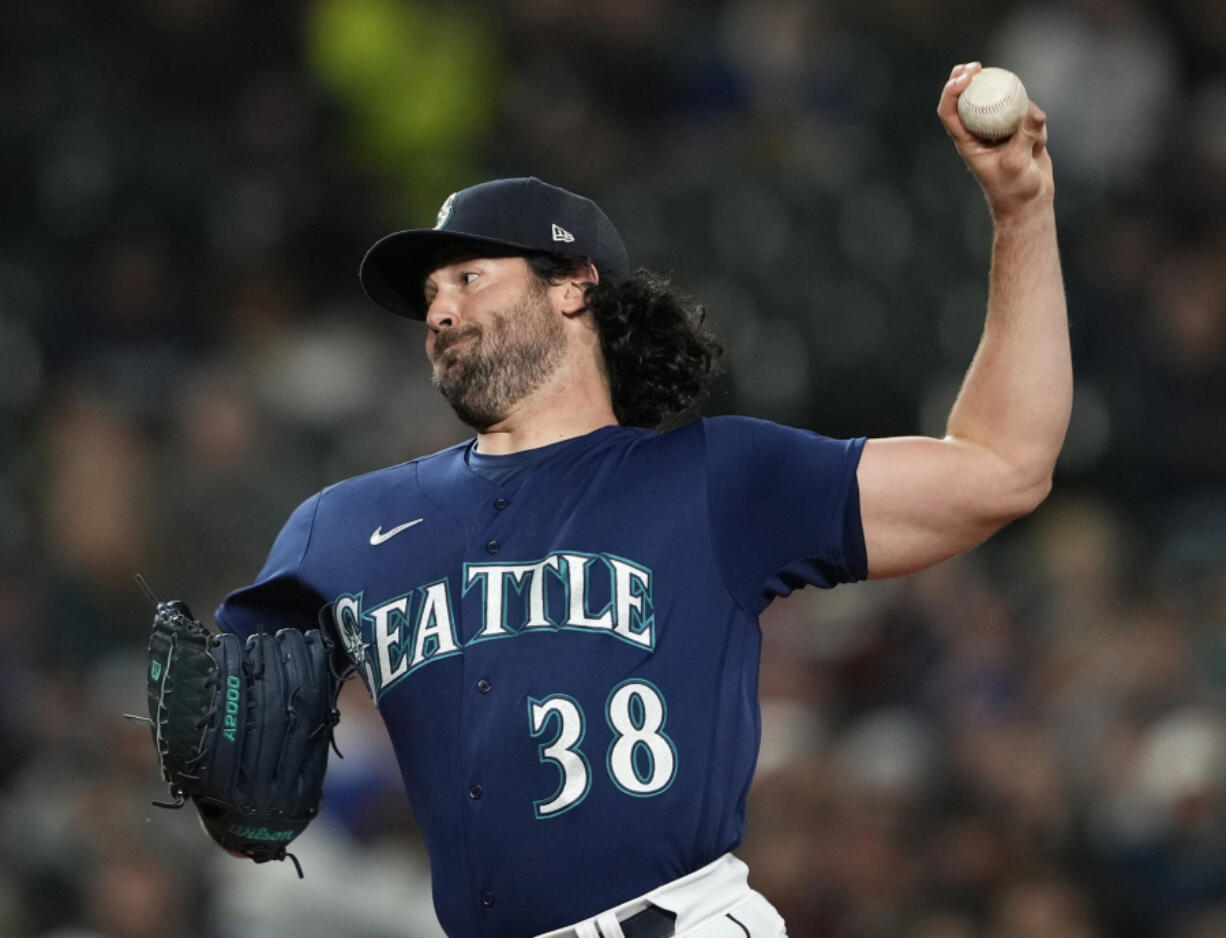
column 516, row 215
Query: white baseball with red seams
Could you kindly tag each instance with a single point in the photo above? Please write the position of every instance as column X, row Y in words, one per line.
column 993, row 104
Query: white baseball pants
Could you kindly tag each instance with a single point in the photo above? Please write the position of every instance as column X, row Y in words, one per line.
column 712, row 902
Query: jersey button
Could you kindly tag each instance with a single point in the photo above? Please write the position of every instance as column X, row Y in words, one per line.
column 484, row 686
column 475, row 792
column 492, row 547
column 501, row 503
column 487, row 899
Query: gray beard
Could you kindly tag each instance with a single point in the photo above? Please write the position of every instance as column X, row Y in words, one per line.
column 506, row 361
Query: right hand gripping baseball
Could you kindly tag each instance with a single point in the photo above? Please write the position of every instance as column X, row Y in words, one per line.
column 1015, row 174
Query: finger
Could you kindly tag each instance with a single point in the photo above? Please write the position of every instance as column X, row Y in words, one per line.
column 1032, row 134
column 947, row 106
column 1041, row 143
column 962, row 67
column 1027, row 140
column 959, row 78
column 1034, row 124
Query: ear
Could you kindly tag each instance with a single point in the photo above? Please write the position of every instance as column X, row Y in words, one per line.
column 572, row 292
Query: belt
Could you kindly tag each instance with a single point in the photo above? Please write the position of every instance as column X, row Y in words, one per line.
column 652, row 922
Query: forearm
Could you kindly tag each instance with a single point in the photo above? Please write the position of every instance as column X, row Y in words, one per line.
column 1017, row 395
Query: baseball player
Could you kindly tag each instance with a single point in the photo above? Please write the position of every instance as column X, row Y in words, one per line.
column 558, row 618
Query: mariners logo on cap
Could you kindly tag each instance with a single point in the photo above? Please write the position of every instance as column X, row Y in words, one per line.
column 445, row 212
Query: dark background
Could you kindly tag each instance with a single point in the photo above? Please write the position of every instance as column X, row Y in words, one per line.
column 1028, row 741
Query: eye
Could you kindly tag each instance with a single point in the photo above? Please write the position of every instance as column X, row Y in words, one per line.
column 468, row 276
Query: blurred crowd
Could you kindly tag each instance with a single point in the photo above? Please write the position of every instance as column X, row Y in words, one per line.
column 1027, row 741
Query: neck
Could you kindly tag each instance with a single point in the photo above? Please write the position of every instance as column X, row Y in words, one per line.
column 574, row 402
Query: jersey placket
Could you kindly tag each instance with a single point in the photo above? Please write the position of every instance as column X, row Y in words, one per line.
column 483, row 692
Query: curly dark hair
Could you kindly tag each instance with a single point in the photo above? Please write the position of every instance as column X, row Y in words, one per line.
column 659, row 352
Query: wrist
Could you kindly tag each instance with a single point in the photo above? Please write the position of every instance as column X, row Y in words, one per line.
column 1035, row 215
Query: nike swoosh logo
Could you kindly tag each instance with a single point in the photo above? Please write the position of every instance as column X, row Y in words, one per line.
column 378, row 536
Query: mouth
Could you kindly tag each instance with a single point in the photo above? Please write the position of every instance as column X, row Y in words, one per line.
column 448, row 341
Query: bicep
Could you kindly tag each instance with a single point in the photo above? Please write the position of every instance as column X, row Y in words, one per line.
column 924, row 500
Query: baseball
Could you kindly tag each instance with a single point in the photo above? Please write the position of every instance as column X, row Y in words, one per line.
column 993, row 104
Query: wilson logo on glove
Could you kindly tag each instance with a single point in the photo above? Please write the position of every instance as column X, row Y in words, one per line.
column 259, row 833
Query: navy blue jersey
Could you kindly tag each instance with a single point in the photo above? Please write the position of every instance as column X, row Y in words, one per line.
column 567, row 659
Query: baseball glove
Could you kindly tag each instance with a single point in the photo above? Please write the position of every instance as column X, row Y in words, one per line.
column 242, row 728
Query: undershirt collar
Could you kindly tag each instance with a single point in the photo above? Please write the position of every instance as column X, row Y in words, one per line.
column 502, row 469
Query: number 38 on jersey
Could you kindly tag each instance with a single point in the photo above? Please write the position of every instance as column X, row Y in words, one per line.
column 641, row 760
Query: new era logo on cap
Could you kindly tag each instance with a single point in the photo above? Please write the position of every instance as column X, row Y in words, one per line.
column 561, row 234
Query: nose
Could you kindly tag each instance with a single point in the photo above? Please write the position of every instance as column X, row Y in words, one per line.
column 441, row 312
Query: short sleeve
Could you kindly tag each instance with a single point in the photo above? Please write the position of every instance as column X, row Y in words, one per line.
column 785, row 508
column 279, row 598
